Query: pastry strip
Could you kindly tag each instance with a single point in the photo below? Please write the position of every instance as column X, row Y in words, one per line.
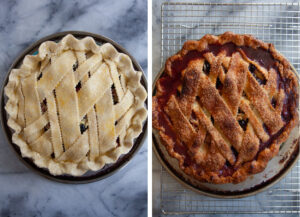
column 221, row 144
column 91, row 115
column 124, row 122
column 43, row 145
column 36, row 125
column 93, row 134
column 68, row 109
column 93, row 90
column 214, row 103
column 54, row 126
column 77, row 151
column 250, row 146
column 258, row 96
column 190, row 87
column 60, row 67
column 234, row 82
column 32, row 103
column 86, row 66
column 106, row 122
column 254, row 120
column 20, row 116
column 34, row 136
column 180, row 123
column 115, row 77
column 124, row 105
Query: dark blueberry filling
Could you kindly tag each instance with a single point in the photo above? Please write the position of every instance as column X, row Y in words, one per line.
column 219, row 84
column 266, row 129
column 83, row 128
column 118, row 142
column 44, row 106
column 114, row 94
column 75, row 66
column 227, row 170
column 243, row 123
column 206, row 67
column 78, row 86
column 273, row 102
column 252, row 68
column 241, row 111
column 40, row 76
column 47, row 127
column 212, row 119
column 178, row 93
column 234, row 151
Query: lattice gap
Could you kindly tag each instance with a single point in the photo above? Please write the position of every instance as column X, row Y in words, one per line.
column 275, row 23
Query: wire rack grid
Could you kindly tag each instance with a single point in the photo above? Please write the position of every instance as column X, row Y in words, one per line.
column 277, row 23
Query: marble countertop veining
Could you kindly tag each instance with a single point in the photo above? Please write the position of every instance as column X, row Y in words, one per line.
column 156, row 66
column 22, row 192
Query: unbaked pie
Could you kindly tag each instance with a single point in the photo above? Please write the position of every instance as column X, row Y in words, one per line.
column 75, row 105
column 224, row 105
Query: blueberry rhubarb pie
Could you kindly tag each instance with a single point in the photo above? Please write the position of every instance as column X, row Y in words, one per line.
column 75, row 106
column 224, row 105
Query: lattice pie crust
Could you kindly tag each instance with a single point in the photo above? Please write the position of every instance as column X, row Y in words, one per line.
column 224, row 105
column 75, row 106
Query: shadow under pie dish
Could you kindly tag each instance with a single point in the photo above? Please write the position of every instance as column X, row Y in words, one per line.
column 224, row 105
column 75, row 106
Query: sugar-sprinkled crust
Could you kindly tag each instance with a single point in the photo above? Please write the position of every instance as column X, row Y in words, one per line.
column 223, row 106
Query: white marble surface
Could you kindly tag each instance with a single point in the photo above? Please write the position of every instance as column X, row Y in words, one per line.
column 23, row 193
column 156, row 65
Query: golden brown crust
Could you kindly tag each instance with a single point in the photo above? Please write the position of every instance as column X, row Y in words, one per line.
column 182, row 127
column 224, row 114
column 234, row 82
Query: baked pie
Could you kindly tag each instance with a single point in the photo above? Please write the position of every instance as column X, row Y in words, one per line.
column 75, row 105
column 224, row 105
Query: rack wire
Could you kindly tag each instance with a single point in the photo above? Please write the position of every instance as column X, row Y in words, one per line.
column 277, row 23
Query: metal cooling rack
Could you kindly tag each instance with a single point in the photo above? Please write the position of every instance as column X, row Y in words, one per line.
column 278, row 23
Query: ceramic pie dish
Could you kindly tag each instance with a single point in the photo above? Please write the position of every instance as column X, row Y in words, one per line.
column 213, row 95
column 75, row 106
